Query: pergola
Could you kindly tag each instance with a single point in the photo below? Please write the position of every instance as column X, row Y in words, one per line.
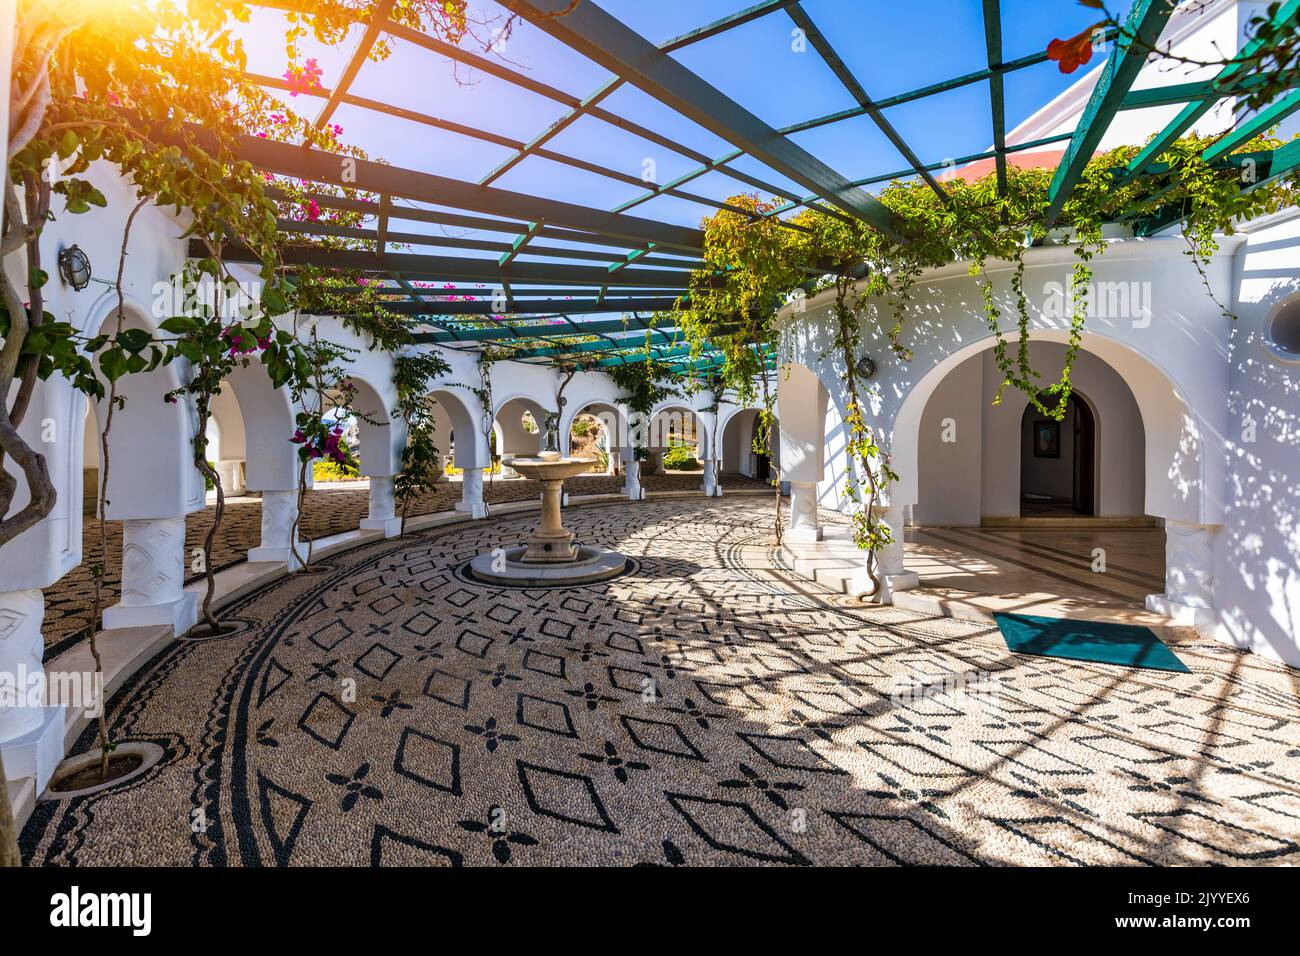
column 546, row 264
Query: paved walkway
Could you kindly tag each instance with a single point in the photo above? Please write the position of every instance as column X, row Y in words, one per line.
column 1095, row 573
column 330, row 509
column 702, row 709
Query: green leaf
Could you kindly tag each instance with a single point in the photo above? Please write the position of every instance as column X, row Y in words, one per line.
column 113, row 364
column 178, row 324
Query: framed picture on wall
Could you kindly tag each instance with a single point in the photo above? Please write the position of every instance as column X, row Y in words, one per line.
column 1047, row 439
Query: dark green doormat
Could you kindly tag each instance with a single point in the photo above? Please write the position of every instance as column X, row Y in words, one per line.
column 1125, row 644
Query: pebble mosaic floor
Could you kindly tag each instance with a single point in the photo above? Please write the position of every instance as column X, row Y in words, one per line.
column 702, row 709
column 329, row 509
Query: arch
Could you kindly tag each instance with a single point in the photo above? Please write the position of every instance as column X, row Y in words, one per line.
column 1058, row 460
column 803, row 402
column 267, row 416
column 512, row 438
column 151, row 452
column 736, row 443
column 1177, row 475
column 466, row 442
column 379, row 451
column 659, row 429
column 613, row 417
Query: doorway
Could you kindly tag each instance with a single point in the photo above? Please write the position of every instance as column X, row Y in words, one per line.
column 1058, row 460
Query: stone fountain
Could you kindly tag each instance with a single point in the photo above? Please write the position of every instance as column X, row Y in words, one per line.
column 549, row 557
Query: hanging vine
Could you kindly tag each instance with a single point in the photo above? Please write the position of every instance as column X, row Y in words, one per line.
column 757, row 265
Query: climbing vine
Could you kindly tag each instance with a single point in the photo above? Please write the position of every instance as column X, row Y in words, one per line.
column 413, row 377
column 758, row 265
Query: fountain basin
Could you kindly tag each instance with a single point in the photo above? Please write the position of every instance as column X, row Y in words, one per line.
column 542, row 468
column 588, row 566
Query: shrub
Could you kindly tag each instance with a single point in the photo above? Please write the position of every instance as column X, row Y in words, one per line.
column 681, row 457
column 324, row 470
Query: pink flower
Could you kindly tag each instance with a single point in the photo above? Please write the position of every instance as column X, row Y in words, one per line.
column 313, row 210
column 298, row 437
column 303, row 79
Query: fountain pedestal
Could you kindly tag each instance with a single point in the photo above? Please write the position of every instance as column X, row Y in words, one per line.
column 549, row 557
column 551, row 543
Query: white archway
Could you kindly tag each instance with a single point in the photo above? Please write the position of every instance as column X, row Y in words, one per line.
column 1177, row 475
column 736, row 443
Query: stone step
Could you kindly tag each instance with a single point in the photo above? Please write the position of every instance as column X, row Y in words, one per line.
column 1082, row 522
column 22, row 798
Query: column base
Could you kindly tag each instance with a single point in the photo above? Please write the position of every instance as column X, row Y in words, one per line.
column 391, row 527
column 803, row 534
column 889, row 583
column 477, row 509
column 180, row 615
column 38, row 752
column 283, row 556
column 1204, row 619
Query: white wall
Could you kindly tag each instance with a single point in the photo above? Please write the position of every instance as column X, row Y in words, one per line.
column 950, row 470
column 1257, row 556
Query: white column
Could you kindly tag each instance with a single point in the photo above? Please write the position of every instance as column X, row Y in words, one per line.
column 1189, row 576
column 804, row 523
column 890, row 569
column 279, row 511
column 231, row 471
column 31, row 734
column 382, row 516
column 153, row 577
column 632, row 480
column 711, row 487
column 471, row 494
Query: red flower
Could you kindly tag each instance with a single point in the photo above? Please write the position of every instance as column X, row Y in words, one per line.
column 1072, row 53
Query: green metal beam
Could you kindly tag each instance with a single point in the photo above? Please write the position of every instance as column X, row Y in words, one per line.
column 636, row 339
column 1284, row 17
column 1261, row 122
column 496, row 331
column 1180, row 93
column 584, row 108
column 997, row 99
column 850, row 83
column 456, row 269
column 595, row 34
column 527, row 307
column 960, row 161
column 352, row 173
column 1284, row 161
column 1141, row 31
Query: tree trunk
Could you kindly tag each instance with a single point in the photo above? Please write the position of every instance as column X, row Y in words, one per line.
column 9, row 855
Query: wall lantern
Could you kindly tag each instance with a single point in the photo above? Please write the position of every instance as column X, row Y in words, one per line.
column 74, row 267
column 866, row 367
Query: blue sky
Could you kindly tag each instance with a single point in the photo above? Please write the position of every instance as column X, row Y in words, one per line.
column 891, row 48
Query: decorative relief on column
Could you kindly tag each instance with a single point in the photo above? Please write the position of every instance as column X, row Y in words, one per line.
column 1189, row 563
column 710, row 479
column 21, row 648
column 891, row 555
column 632, row 482
column 153, row 561
column 279, row 509
column 382, row 501
column 804, row 524
column 471, row 494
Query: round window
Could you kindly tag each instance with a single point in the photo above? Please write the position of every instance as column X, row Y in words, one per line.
column 1283, row 330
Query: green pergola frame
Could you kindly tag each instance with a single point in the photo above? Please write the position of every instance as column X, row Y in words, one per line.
column 639, row 265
